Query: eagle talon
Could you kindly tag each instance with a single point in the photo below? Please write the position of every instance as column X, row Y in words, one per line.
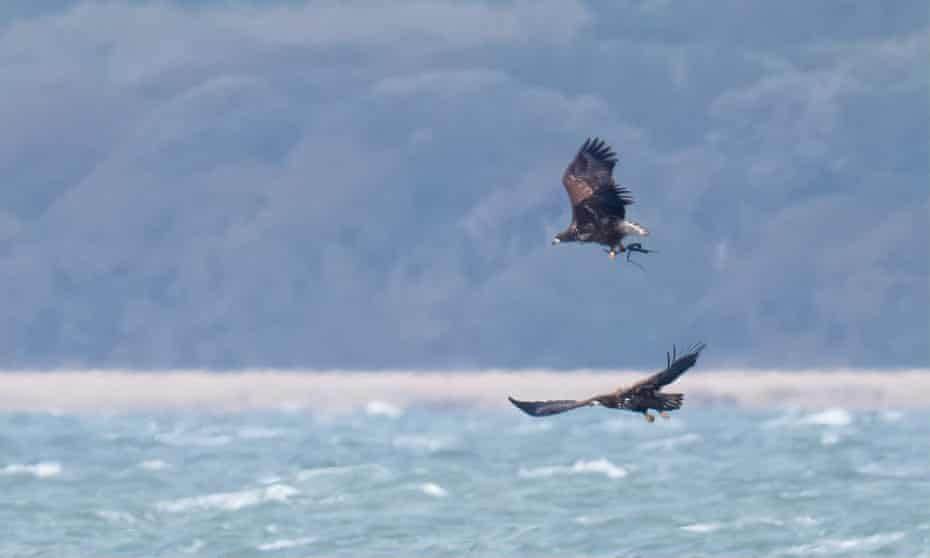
column 649, row 418
column 637, row 247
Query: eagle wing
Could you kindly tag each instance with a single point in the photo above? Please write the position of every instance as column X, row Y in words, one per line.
column 590, row 184
column 671, row 373
column 544, row 408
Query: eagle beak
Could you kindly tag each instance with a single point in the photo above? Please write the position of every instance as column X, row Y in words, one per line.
column 555, row 241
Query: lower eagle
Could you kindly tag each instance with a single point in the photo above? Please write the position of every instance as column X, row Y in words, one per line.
column 639, row 398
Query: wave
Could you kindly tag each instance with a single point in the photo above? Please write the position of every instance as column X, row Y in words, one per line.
column 40, row 470
column 433, row 489
column 891, row 471
column 383, row 409
column 832, row 546
column 259, row 433
column 793, row 418
column 154, row 465
column 229, row 501
column 702, row 527
column 829, row 417
column 601, row 466
column 282, row 544
column 713, row 526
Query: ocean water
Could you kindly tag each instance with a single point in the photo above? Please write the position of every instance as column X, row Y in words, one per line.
column 433, row 481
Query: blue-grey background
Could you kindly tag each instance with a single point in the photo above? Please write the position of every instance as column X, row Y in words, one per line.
column 352, row 184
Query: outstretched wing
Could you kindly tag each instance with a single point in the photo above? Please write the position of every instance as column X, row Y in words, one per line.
column 544, row 408
column 590, row 183
column 673, row 370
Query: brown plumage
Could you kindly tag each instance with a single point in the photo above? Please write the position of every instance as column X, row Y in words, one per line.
column 598, row 202
column 640, row 397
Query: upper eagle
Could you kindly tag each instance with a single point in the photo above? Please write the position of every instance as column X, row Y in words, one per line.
column 640, row 397
column 598, row 202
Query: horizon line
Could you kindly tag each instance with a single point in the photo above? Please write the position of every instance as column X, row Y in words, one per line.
column 338, row 392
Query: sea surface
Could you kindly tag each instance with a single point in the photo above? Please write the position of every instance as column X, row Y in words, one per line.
column 434, row 481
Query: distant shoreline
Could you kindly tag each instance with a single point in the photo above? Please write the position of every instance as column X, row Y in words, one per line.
column 344, row 391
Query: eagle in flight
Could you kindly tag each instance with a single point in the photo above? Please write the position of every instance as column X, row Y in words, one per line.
column 598, row 203
column 639, row 398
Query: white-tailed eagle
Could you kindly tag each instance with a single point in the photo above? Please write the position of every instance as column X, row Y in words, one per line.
column 598, row 202
column 639, row 398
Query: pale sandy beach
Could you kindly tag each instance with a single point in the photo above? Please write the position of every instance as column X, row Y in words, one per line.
column 341, row 391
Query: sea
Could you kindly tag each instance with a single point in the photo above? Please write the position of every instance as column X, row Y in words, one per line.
column 385, row 480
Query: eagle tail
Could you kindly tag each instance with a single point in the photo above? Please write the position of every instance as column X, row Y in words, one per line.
column 670, row 401
column 633, row 228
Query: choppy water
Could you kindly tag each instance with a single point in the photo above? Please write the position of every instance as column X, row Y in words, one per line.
column 459, row 482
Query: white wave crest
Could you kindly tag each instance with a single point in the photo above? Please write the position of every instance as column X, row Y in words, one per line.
column 383, row 409
column 229, row 501
column 890, row 470
column 702, row 527
column 40, row 470
column 154, row 465
column 832, row 546
column 829, row 417
column 602, row 466
column 258, row 433
column 282, row 544
column 433, row 489
column 834, row 417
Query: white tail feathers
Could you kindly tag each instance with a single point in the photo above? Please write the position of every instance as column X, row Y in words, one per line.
column 631, row 228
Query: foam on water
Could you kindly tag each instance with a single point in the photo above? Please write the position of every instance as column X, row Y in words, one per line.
column 421, row 443
column 601, row 466
column 433, row 489
column 702, row 527
column 466, row 484
column 829, row 417
column 259, row 433
column 229, row 501
column 892, row 470
column 383, row 409
column 40, row 470
column 154, row 465
column 282, row 544
column 833, row 546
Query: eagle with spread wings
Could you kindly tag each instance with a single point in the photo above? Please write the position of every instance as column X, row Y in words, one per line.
column 598, row 202
column 639, row 398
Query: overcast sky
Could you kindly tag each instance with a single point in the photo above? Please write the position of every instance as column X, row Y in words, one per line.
column 336, row 184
